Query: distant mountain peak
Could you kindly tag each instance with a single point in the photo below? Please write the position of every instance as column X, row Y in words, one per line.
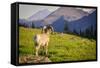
column 69, row 13
column 39, row 15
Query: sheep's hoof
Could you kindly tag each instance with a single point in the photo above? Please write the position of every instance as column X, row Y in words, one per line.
column 46, row 55
column 36, row 56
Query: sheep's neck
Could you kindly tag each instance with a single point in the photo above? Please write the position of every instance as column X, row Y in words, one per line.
column 46, row 34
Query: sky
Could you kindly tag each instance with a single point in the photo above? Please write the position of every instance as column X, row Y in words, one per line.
column 25, row 11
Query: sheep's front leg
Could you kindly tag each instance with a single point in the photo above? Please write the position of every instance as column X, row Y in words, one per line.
column 46, row 49
column 37, row 49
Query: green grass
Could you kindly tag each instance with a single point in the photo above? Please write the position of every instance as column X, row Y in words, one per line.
column 62, row 47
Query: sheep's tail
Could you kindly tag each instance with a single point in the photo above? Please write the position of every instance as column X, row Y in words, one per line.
column 36, row 40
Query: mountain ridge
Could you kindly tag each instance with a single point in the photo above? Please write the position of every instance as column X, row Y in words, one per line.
column 40, row 15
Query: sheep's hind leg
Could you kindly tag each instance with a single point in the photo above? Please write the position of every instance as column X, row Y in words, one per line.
column 47, row 49
column 43, row 50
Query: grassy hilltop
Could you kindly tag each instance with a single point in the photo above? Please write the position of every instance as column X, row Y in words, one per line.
column 62, row 47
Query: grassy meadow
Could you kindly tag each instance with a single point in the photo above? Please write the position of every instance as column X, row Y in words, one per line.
column 62, row 47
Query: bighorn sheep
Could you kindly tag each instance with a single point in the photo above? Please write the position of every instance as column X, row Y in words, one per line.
column 48, row 27
column 42, row 39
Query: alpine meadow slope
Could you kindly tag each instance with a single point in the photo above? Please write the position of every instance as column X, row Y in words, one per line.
column 62, row 47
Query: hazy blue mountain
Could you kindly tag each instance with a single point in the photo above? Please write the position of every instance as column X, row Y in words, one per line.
column 58, row 25
column 83, row 24
column 38, row 23
column 47, row 21
column 40, row 15
column 37, row 18
column 25, row 23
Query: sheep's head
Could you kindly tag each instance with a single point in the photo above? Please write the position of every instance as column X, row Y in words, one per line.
column 48, row 29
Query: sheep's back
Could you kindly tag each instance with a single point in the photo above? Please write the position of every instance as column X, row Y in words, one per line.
column 41, row 39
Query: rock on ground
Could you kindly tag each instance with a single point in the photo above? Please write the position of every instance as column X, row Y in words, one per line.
column 33, row 59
